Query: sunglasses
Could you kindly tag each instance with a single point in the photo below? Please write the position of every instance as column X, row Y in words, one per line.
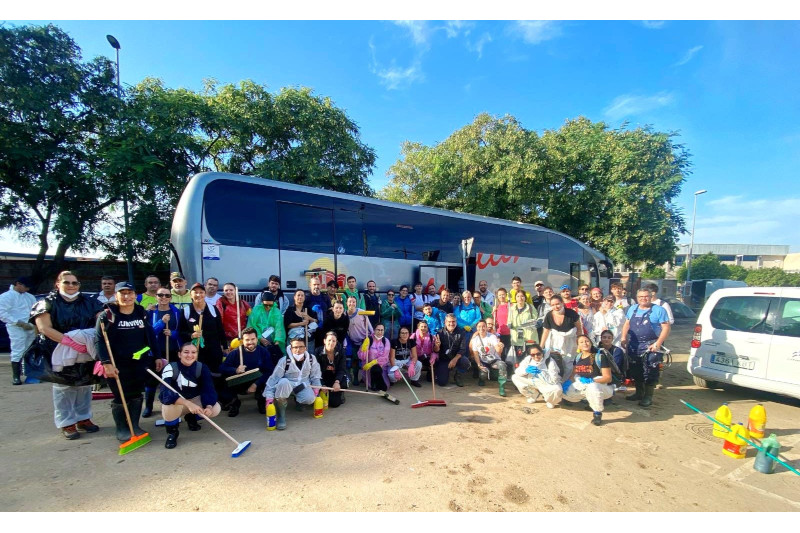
column 164, row 295
column 71, row 283
column 537, row 354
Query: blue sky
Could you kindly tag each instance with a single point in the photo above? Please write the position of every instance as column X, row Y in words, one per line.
column 729, row 88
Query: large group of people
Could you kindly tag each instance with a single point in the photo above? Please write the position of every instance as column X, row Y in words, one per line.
column 214, row 347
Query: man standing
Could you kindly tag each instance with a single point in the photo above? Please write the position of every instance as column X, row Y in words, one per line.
column 516, row 285
column 15, row 309
column 621, row 301
column 539, row 298
column 451, row 345
column 149, row 298
column 487, row 296
column 180, row 294
column 645, row 330
column 266, row 319
column 274, row 286
column 566, row 295
column 212, row 286
column 316, row 301
column 352, row 290
column 653, row 288
column 372, row 302
column 106, row 294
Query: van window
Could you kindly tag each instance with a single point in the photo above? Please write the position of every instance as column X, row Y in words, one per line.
column 788, row 323
column 741, row 313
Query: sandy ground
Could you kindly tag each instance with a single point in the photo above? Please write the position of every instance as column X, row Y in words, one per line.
column 480, row 453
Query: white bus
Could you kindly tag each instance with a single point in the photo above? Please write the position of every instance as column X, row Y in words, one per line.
column 242, row 229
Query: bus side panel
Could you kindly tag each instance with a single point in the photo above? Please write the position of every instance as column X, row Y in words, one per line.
column 498, row 270
column 387, row 273
column 249, row 268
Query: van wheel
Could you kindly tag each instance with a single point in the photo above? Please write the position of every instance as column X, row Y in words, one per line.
column 706, row 384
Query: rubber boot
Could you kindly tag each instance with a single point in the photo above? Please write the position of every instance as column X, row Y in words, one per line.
column 172, row 435
column 234, row 410
column 118, row 413
column 647, row 398
column 280, row 413
column 149, row 396
column 261, row 403
column 502, row 381
column 192, row 423
column 16, row 369
column 482, row 379
column 135, row 410
column 638, row 394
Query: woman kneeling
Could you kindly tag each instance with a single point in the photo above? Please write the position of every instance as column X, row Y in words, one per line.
column 537, row 376
column 591, row 379
column 193, row 380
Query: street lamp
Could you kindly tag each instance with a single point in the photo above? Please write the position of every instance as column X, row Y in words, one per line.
column 691, row 241
column 128, row 249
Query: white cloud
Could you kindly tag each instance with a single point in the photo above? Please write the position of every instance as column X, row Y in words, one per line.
column 394, row 77
column 479, row 44
column 419, row 30
column 688, row 55
column 629, row 104
column 653, row 24
column 747, row 220
column 453, row 28
column 537, row 31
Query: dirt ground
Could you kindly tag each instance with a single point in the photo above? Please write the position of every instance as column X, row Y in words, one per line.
column 480, row 453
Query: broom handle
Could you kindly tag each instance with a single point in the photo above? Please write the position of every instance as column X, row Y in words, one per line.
column 119, row 383
column 239, row 325
column 201, row 412
column 346, row 390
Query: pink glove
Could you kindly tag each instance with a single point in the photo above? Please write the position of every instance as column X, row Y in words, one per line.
column 78, row 347
column 268, row 401
column 397, row 375
column 411, row 370
column 99, row 370
column 433, row 357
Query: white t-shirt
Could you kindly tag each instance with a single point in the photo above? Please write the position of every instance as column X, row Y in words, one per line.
column 667, row 308
column 486, row 347
column 212, row 300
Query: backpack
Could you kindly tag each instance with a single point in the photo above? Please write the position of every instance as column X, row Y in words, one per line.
column 559, row 359
column 198, row 369
column 211, row 309
column 617, row 374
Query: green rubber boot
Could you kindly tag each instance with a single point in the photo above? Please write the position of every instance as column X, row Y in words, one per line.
column 280, row 413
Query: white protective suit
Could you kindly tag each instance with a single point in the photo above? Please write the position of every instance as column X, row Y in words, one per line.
column 546, row 384
column 71, row 404
column 65, row 356
column 612, row 321
column 594, row 393
column 566, row 343
column 16, row 307
column 281, row 384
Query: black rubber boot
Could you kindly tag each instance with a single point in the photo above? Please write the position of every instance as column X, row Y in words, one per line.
column 172, row 436
column 118, row 412
column 16, row 370
column 234, row 410
column 261, row 402
column 149, row 396
column 597, row 418
column 647, row 397
column 191, row 422
column 280, row 413
column 135, row 410
column 639, row 394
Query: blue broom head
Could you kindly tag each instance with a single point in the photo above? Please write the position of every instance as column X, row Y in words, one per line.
column 240, row 448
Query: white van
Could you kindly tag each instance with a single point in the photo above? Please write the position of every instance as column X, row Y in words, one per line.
column 750, row 337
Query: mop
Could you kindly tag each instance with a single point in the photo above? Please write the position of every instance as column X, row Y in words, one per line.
column 382, row 394
column 240, row 446
column 254, row 373
column 136, row 441
column 414, row 405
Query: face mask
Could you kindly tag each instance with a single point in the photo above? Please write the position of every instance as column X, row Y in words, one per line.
column 378, row 337
column 68, row 297
column 298, row 356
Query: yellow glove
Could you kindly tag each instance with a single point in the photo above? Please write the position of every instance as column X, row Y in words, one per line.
column 235, row 343
column 370, row 364
column 248, row 312
column 365, row 345
column 467, row 328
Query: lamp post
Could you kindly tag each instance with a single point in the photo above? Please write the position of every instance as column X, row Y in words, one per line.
column 128, row 248
column 691, row 241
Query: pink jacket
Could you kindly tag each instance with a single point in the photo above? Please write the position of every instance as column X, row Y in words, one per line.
column 378, row 350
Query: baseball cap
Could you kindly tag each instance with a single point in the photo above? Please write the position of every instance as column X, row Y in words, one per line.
column 564, row 287
column 198, row 286
column 267, row 296
column 176, row 275
column 538, row 283
column 124, row 286
column 25, row 280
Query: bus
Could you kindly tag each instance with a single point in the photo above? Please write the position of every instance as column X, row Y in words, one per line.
column 243, row 229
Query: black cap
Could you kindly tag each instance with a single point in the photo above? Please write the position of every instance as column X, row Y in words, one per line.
column 25, row 280
column 198, row 286
column 124, row 286
column 267, row 296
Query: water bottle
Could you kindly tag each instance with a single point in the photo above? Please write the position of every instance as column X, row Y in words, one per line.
column 764, row 464
column 271, row 417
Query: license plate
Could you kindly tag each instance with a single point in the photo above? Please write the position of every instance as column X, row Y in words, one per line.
column 732, row 361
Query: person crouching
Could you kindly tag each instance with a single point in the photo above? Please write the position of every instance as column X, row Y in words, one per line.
column 194, row 381
column 293, row 374
column 591, row 379
column 536, row 376
column 254, row 356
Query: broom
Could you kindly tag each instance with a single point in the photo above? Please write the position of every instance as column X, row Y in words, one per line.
column 434, row 401
column 136, row 441
column 382, row 394
column 419, row 403
column 240, row 446
column 252, row 374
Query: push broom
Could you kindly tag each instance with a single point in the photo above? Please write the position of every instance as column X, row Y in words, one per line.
column 250, row 375
column 419, row 403
column 382, row 394
column 160, row 422
column 240, row 446
column 434, row 401
column 136, row 441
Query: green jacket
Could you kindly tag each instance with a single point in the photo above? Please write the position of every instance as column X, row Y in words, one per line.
column 486, row 310
column 355, row 294
column 516, row 318
column 388, row 312
column 260, row 320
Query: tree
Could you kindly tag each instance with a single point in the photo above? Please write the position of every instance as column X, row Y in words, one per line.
column 653, row 273
column 54, row 110
column 737, row 272
column 705, row 266
column 610, row 188
column 772, row 277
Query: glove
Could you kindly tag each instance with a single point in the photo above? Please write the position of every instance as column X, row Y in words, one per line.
column 235, row 343
column 434, row 356
column 467, row 328
column 99, row 370
column 365, row 345
column 268, row 401
column 78, row 347
column 24, row 325
column 397, row 375
column 533, row 370
column 565, row 386
column 411, row 370
column 586, row 381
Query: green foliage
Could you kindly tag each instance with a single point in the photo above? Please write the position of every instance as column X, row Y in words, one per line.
column 772, row 277
column 653, row 273
column 737, row 272
column 610, row 188
column 704, row 267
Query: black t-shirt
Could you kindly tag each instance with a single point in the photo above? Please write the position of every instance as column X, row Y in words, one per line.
column 570, row 317
column 291, row 316
column 403, row 350
column 586, row 367
column 446, row 308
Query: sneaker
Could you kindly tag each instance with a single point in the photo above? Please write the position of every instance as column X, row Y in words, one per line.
column 415, row 383
column 550, row 405
column 70, row 432
column 458, row 379
column 88, row 426
column 597, row 418
column 531, row 400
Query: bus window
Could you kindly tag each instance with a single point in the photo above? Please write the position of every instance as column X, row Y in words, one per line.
column 233, row 210
column 563, row 251
column 349, row 233
column 401, row 234
column 454, row 230
column 305, row 229
column 523, row 243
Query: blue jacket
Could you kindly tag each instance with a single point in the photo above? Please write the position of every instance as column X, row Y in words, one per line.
column 434, row 321
column 467, row 315
column 406, row 307
column 153, row 317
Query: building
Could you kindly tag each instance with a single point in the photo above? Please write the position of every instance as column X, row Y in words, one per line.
column 747, row 255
